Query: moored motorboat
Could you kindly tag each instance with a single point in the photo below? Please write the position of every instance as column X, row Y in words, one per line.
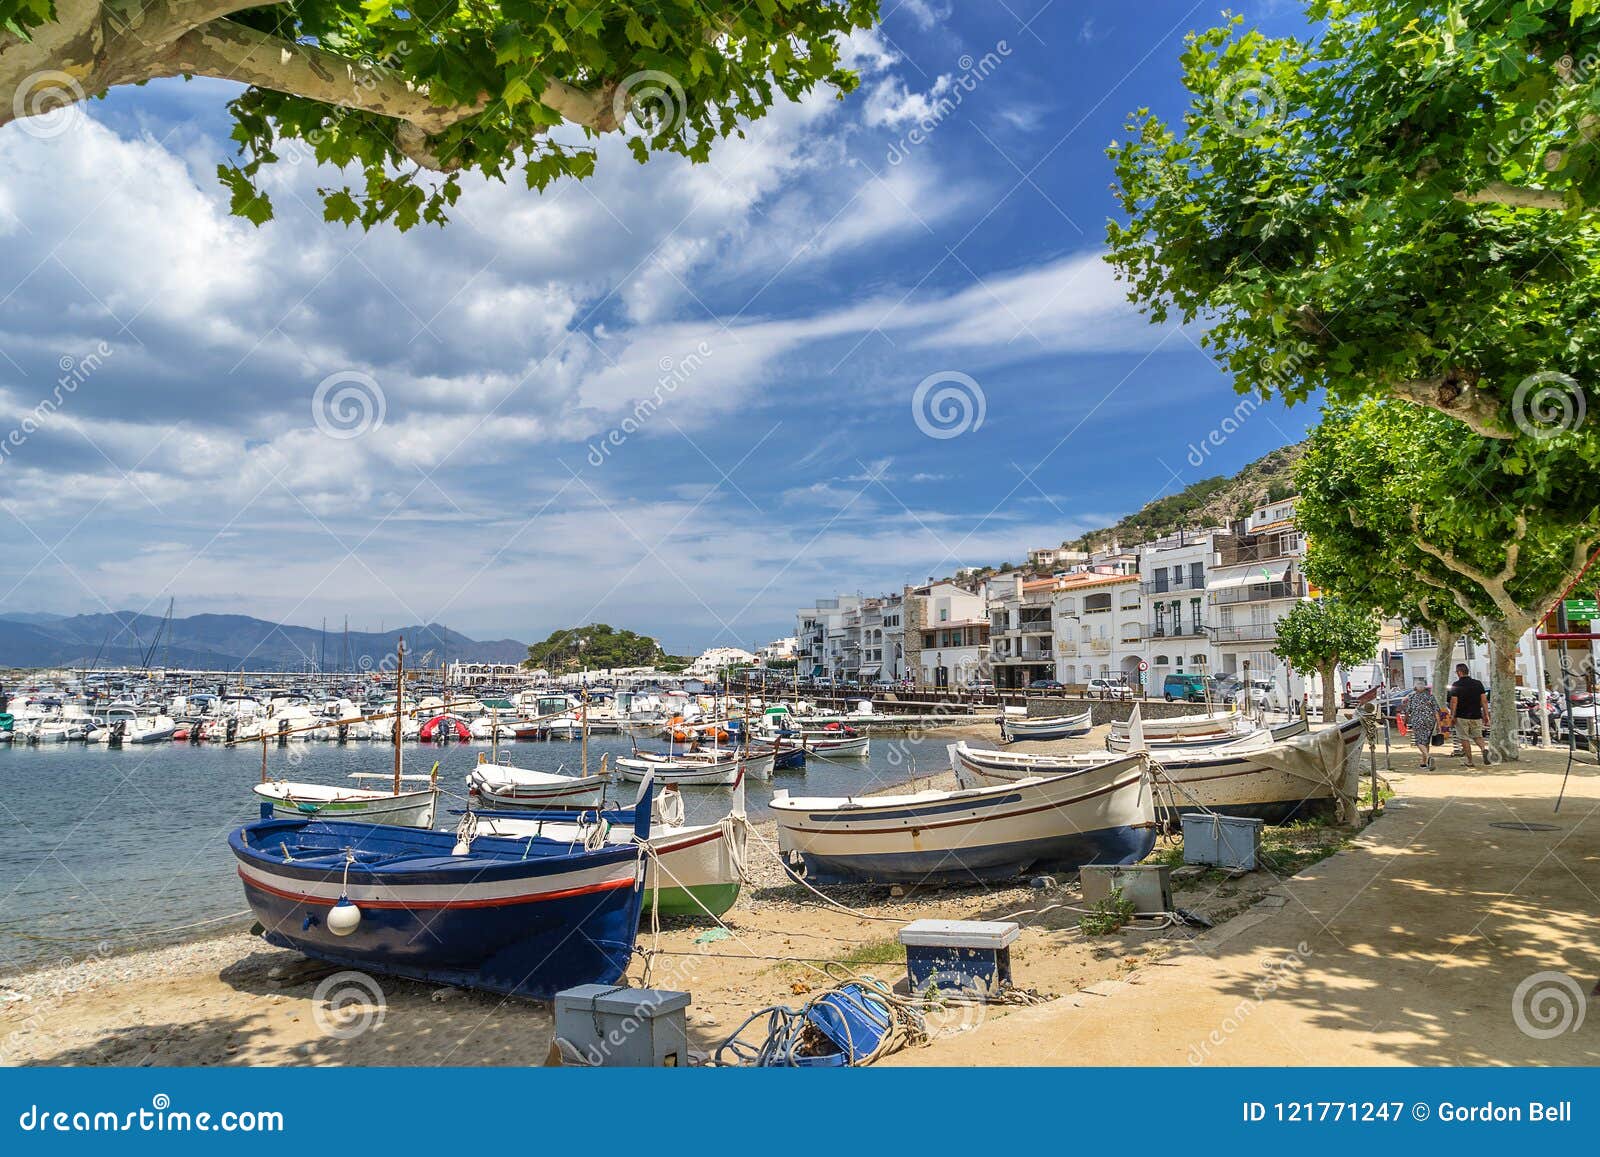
column 1103, row 814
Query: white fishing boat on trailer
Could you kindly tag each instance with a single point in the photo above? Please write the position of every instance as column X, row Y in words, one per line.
column 1013, row 728
column 1098, row 815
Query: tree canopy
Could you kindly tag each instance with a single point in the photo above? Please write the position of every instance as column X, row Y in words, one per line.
column 407, row 97
column 1399, row 205
column 594, row 647
column 1406, row 512
column 1319, row 634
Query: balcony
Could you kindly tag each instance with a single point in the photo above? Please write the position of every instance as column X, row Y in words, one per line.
column 1168, row 587
column 1248, row 633
column 1067, row 650
column 1175, row 631
column 1260, row 592
column 1099, row 646
column 1280, row 548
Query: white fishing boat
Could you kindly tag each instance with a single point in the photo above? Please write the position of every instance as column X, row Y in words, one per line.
column 499, row 785
column 408, row 809
column 1098, row 815
column 1207, row 723
column 826, row 746
column 1246, row 735
column 1013, row 728
column 724, row 772
column 1297, row 778
column 692, row 869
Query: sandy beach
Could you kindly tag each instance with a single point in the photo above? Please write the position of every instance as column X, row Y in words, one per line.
column 232, row 1000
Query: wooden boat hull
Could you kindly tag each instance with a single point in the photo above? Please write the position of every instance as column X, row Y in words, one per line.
column 851, row 747
column 1101, row 815
column 523, row 790
column 1210, row 723
column 1226, row 783
column 292, row 801
column 527, row 927
column 1062, row 727
column 712, row 775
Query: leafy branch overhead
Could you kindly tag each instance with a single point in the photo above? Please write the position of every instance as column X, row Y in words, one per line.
column 408, row 96
column 1401, row 205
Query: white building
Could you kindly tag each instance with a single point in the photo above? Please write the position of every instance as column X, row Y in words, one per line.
column 1021, row 629
column 778, row 651
column 487, row 674
column 716, row 658
column 1099, row 626
column 819, row 634
column 1173, row 573
column 945, row 635
column 1256, row 577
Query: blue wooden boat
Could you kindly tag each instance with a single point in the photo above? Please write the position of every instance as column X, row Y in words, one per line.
column 528, row 916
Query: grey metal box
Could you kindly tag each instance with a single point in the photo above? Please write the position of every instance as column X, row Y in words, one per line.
column 1149, row 886
column 1231, row 842
column 618, row 1027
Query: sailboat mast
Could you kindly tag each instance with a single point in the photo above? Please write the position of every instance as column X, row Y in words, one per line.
column 399, row 707
column 583, row 698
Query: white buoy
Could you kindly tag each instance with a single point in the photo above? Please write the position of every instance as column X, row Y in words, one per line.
column 343, row 917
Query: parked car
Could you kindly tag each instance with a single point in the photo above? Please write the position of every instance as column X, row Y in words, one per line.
column 1047, row 685
column 1189, row 688
column 1107, row 689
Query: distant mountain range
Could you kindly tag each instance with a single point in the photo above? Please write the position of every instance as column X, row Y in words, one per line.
column 228, row 642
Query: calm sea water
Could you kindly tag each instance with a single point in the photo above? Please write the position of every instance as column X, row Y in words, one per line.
column 115, row 846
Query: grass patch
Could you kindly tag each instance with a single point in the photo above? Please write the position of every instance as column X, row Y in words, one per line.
column 1286, row 850
column 1108, row 915
column 887, row 951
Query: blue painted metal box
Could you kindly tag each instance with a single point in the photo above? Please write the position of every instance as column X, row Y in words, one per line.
column 971, row 956
column 1231, row 842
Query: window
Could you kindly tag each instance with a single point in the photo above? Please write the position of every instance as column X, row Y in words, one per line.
column 1418, row 638
column 1161, row 619
column 1161, row 660
column 1097, row 602
column 1069, row 606
column 1197, row 575
column 1194, row 608
column 944, row 614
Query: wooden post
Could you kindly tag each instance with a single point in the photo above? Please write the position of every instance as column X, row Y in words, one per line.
column 399, row 708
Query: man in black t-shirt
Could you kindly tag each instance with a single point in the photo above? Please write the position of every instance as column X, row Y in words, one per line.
column 1469, row 713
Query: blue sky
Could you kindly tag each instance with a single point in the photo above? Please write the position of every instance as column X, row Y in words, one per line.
column 779, row 308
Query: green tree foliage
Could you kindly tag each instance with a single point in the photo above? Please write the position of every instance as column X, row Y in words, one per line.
column 595, row 647
column 1319, row 634
column 1401, row 205
column 1407, row 513
column 406, row 97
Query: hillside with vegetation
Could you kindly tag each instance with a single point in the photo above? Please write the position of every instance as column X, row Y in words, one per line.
column 1214, row 501
column 1209, row 502
column 594, row 647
